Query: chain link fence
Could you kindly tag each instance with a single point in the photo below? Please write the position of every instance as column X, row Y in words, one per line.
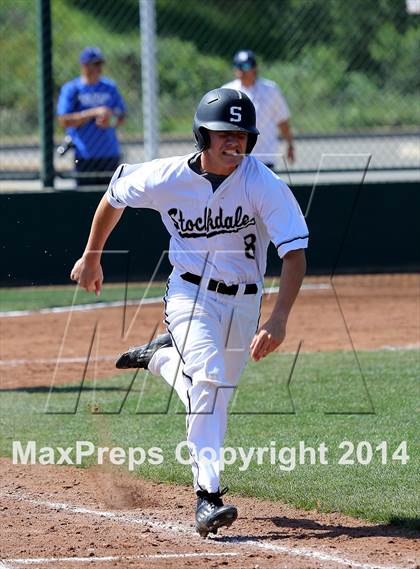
column 348, row 70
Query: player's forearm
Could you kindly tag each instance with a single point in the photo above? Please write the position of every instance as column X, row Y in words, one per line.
column 293, row 271
column 286, row 132
column 76, row 119
column 104, row 221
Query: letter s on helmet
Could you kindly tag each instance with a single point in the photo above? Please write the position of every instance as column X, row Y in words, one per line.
column 224, row 109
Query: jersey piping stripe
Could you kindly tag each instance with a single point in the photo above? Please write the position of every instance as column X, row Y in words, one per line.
column 291, row 240
column 188, row 377
column 239, row 94
column 111, row 191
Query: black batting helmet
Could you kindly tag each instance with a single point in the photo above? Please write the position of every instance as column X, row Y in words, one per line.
column 224, row 109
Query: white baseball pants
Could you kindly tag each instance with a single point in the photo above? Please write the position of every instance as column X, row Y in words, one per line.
column 211, row 333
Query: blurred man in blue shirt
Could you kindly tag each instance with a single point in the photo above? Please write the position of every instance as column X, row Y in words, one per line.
column 90, row 108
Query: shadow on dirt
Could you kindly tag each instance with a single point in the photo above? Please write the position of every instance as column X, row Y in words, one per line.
column 399, row 527
column 67, row 389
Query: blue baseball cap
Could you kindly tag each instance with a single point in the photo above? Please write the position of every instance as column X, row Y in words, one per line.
column 244, row 60
column 91, row 55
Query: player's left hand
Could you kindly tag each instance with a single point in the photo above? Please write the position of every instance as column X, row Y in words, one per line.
column 103, row 116
column 268, row 338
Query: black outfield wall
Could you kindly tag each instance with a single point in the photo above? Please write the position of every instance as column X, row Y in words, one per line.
column 370, row 229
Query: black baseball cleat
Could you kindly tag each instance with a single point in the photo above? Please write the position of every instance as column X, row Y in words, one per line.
column 211, row 514
column 140, row 356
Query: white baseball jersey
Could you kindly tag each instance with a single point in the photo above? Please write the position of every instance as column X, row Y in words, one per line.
column 224, row 234
column 271, row 109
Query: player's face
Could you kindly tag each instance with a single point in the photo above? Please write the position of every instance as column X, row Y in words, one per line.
column 227, row 148
column 246, row 76
column 92, row 71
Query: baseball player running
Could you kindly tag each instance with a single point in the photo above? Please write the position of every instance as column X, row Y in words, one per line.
column 221, row 207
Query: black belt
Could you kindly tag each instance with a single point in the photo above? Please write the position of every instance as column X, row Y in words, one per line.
column 220, row 286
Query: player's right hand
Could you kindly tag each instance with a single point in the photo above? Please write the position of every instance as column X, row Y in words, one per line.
column 88, row 275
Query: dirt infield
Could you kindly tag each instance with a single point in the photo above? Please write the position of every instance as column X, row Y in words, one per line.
column 104, row 518
column 95, row 515
column 367, row 312
column 98, row 514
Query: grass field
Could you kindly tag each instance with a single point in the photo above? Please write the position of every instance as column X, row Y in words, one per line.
column 35, row 298
column 323, row 385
